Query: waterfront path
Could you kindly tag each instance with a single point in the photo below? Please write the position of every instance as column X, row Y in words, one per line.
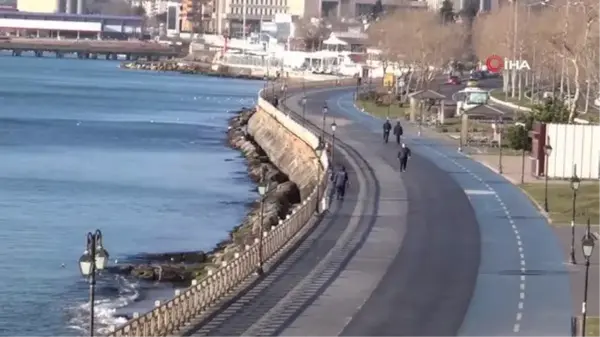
column 406, row 251
column 523, row 284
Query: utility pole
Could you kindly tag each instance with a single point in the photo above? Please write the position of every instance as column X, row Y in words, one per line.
column 244, row 5
column 515, row 28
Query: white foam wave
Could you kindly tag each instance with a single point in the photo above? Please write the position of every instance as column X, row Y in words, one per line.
column 105, row 309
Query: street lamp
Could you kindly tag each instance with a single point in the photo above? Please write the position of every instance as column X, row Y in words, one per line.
column 94, row 258
column 358, row 83
column 333, row 128
column 263, row 189
column 525, row 141
column 575, row 182
column 324, row 110
column 304, row 110
column 266, row 84
column 390, row 102
column 499, row 127
column 547, row 152
column 587, row 246
column 319, row 153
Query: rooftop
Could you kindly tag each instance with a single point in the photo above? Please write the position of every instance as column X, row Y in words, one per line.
column 65, row 16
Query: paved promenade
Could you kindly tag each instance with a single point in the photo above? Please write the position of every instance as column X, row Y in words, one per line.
column 523, row 285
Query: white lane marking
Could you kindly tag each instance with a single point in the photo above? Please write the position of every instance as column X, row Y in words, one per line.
column 491, row 191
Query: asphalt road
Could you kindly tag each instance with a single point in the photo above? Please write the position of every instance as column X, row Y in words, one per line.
column 522, row 285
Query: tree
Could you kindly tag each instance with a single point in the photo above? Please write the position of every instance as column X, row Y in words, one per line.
column 417, row 40
column 377, row 10
column 312, row 34
column 161, row 17
column 447, row 11
column 139, row 11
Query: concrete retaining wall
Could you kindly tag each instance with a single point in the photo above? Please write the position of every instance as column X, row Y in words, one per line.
column 288, row 144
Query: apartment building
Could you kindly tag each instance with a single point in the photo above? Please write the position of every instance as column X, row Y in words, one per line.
column 151, row 7
column 196, row 15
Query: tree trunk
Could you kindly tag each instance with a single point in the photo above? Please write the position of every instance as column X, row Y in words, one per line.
column 573, row 106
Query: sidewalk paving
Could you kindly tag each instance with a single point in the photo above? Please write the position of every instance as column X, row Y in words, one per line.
column 511, row 167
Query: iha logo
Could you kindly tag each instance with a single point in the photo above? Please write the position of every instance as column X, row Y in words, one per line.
column 496, row 64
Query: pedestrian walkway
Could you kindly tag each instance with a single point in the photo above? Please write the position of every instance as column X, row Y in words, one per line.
column 512, row 167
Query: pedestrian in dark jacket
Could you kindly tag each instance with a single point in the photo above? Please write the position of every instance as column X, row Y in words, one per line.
column 398, row 132
column 403, row 156
column 341, row 181
column 387, row 127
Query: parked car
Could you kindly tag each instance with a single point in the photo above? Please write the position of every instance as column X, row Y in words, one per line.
column 454, row 80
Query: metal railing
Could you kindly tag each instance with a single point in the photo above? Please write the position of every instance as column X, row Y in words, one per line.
column 166, row 318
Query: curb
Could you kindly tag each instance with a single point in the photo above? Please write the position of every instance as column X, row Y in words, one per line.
column 508, row 104
column 512, row 181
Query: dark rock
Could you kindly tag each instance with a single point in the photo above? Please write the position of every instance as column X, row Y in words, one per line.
column 172, row 257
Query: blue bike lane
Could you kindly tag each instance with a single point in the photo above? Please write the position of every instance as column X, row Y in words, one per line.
column 523, row 284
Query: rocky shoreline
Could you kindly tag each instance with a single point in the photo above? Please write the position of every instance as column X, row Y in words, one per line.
column 182, row 267
column 197, row 68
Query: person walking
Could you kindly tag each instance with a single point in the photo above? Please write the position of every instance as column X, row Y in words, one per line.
column 341, row 181
column 398, row 131
column 403, row 156
column 387, row 127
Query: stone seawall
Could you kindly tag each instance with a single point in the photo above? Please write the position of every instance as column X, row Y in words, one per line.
column 290, row 154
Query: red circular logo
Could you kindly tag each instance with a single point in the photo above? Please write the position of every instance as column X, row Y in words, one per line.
column 494, row 63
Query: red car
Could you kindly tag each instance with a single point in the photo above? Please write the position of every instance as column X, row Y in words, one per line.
column 455, row 80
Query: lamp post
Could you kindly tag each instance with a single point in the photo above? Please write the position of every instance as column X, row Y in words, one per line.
column 333, row 128
column 587, row 245
column 525, row 141
column 304, row 110
column 358, row 83
column 499, row 128
column 390, row 102
column 324, row 110
column 575, row 182
column 319, row 153
column 283, row 91
column 94, row 258
column 266, row 84
column 547, row 152
column 263, row 189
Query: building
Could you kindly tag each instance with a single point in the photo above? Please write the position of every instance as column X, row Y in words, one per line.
column 39, row 6
column 173, row 25
column 70, row 25
column 52, row 6
column 151, row 7
column 197, row 15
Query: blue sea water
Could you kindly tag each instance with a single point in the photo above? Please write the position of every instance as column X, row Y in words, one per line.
column 139, row 155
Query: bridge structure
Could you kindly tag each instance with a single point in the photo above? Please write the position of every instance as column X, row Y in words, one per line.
column 85, row 49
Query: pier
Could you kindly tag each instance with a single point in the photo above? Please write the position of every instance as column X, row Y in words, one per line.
column 91, row 49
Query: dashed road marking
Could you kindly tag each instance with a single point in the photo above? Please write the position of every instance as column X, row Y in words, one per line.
column 491, row 191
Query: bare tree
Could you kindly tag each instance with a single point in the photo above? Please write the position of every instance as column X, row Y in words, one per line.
column 419, row 40
column 312, row 34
